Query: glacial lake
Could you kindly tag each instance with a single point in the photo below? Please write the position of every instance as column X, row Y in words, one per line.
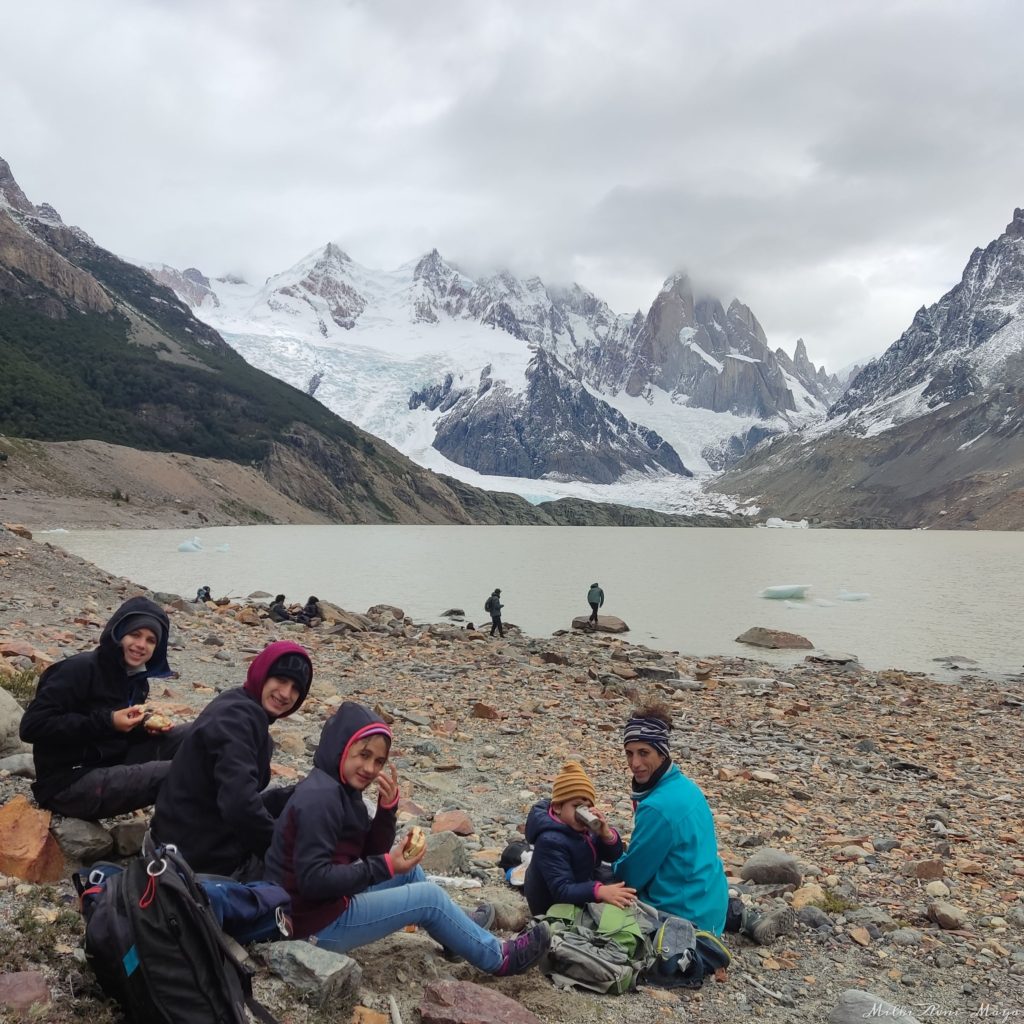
column 925, row 594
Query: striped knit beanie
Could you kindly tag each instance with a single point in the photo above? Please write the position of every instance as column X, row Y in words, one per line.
column 572, row 781
column 652, row 731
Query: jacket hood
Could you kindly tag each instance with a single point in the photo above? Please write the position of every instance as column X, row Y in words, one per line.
column 110, row 649
column 350, row 722
column 259, row 670
column 539, row 820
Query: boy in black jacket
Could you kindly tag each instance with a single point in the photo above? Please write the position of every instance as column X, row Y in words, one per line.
column 566, row 854
column 92, row 758
column 215, row 805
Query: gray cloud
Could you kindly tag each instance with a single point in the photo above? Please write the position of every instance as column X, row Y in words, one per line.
column 832, row 168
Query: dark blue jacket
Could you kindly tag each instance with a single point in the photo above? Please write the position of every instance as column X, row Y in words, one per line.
column 326, row 848
column 69, row 720
column 564, row 861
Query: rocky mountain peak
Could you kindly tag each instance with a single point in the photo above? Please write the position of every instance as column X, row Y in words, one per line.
column 437, row 286
column 333, row 253
column 10, row 191
column 1015, row 229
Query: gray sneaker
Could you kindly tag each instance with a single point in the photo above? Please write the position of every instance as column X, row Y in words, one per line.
column 766, row 928
column 484, row 915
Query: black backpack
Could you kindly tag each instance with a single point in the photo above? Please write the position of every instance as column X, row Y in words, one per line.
column 156, row 947
column 489, row 604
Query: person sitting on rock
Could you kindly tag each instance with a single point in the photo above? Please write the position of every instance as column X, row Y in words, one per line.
column 95, row 755
column 351, row 883
column 566, row 853
column 215, row 805
column 672, row 861
column 310, row 611
column 595, row 598
column 203, row 595
column 278, row 610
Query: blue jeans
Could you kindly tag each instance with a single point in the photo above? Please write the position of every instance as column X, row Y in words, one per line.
column 410, row 899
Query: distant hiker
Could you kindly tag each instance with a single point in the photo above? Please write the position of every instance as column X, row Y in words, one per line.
column 672, row 861
column 493, row 608
column 278, row 610
column 215, row 805
column 595, row 598
column 92, row 760
column 310, row 611
column 566, row 852
column 203, row 595
column 350, row 882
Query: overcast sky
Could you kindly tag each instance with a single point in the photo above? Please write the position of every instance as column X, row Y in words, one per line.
column 832, row 165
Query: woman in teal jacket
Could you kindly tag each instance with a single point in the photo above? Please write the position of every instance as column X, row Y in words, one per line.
column 672, row 860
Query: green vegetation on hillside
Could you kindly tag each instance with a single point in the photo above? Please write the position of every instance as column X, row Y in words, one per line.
column 81, row 377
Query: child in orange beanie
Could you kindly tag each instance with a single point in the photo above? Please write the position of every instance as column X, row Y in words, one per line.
column 566, row 853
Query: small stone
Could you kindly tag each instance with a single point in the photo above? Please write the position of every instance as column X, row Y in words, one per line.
column 856, row 1006
column 20, row 990
column 453, row 821
column 905, row 937
column 462, row 1002
column 947, row 916
column 937, row 889
column 808, row 895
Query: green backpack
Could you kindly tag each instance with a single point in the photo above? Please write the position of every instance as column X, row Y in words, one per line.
column 598, row 947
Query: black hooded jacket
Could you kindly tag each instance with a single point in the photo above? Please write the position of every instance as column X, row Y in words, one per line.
column 210, row 804
column 326, row 848
column 69, row 721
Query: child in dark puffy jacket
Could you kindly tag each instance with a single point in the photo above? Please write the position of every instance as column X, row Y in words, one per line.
column 566, row 854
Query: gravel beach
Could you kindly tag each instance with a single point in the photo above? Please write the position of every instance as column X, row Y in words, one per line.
column 892, row 802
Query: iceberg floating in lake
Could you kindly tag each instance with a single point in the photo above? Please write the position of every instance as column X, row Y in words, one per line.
column 195, row 544
column 785, row 591
column 224, row 547
column 852, row 595
column 774, row 523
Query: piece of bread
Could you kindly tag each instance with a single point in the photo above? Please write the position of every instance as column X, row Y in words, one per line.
column 417, row 842
column 157, row 721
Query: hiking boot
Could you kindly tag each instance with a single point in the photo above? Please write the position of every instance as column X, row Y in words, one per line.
column 766, row 928
column 521, row 953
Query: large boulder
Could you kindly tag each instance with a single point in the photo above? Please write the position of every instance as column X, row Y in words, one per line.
column 775, row 639
column 316, row 973
column 605, row 624
column 83, row 842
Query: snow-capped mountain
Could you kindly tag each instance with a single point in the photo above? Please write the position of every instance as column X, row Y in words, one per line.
column 511, row 384
column 929, row 433
column 968, row 342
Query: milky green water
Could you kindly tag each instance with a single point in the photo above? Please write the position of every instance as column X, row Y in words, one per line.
column 931, row 593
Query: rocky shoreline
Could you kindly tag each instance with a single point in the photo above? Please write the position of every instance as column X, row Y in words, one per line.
column 893, row 801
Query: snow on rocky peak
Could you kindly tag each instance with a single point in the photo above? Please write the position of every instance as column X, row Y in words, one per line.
column 509, row 383
column 971, row 341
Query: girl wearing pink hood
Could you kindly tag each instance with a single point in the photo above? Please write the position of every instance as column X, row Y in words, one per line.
column 214, row 804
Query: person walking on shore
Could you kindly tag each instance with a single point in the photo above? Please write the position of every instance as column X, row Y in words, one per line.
column 493, row 608
column 595, row 598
